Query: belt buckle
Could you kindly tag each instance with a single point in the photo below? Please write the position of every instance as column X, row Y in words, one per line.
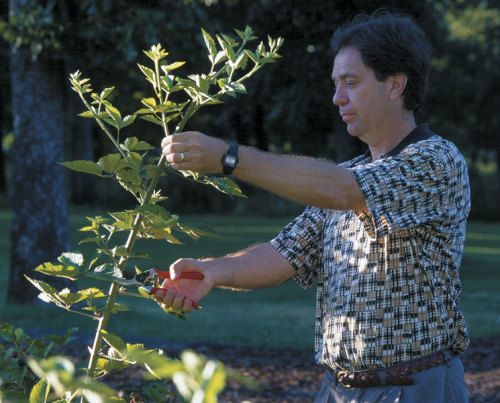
column 341, row 376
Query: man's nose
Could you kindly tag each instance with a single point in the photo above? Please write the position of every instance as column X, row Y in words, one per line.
column 339, row 96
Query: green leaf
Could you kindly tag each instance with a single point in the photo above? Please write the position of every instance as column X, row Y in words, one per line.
column 133, row 144
column 107, row 365
column 86, row 114
column 60, row 373
column 114, row 341
column 149, row 102
column 255, row 58
column 84, row 166
column 48, row 293
column 104, row 94
column 107, row 272
column 172, row 66
column 95, row 239
column 109, row 163
column 150, row 74
column 71, row 258
column 214, row 377
column 220, row 57
column 226, row 45
column 130, row 180
column 114, row 113
column 223, row 184
column 152, row 119
column 58, row 270
column 119, row 308
column 158, row 364
column 7, row 332
column 127, row 121
column 69, row 298
column 241, row 61
column 210, row 44
column 40, row 392
column 196, row 233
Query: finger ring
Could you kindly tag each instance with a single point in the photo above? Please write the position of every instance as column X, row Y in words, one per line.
column 183, row 156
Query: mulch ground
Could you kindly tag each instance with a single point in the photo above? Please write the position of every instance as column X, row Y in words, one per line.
column 292, row 376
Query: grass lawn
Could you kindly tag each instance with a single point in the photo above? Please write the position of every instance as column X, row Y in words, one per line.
column 278, row 317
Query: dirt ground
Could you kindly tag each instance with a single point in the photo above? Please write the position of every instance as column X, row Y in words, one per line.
column 292, row 376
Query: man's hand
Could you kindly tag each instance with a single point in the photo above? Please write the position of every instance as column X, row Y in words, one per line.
column 181, row 294
column 194, row 151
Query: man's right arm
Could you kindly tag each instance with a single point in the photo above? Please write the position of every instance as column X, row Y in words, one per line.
column 258, row 266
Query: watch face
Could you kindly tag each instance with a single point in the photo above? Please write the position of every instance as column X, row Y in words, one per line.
column 230, row 160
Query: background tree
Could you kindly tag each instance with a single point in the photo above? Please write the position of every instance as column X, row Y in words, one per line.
column 40, row 222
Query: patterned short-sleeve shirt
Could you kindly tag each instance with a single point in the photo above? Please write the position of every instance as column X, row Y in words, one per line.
column 388, row 287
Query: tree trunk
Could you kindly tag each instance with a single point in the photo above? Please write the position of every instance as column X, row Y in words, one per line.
column 40, row 219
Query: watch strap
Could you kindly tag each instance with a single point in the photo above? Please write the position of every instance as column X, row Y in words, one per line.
column 230, row 158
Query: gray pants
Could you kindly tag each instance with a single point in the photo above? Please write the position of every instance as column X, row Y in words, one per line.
column 442, row 384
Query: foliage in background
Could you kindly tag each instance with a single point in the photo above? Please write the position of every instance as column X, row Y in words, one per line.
column 291, row 102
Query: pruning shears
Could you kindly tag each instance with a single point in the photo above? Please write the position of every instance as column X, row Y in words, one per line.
column 149, row 281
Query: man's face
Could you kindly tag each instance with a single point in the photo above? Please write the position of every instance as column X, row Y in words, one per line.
column 363, row 101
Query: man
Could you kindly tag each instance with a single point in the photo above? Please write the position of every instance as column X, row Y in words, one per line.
column 382, row 234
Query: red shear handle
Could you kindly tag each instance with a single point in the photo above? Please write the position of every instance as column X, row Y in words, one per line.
column 187, row 275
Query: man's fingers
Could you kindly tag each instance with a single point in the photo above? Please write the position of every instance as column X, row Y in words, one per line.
column 188, row 305
column 176, row 138
column 182, row 265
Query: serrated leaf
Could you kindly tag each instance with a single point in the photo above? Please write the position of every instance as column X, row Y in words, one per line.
column 228, row 50
column 70, row 298
column 48, row 293
column 84, row 166
column 150, row 74
column 173, row 66
column 134, row 144
column 210, row 44
column 106, row 365
column 40, row 392
column 149, row 102
column 196, row 233
column 71, row 258
column 127, row 121
column 86, row 114
column 109, row 162
column 107, row 272
column 223, row 184
column 95, row 239
column 129, row 180
column 104, row 94
column 241, row 34
column 157, row 364
column 114, row 341
column 220, row 57
column 252, row 56
column 119, row 308
column 58, row 270
column 152, row 119
column 114, row 113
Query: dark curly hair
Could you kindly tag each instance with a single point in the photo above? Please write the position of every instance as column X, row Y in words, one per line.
column 389, row 44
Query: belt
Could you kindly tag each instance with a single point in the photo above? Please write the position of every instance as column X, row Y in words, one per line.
column 398, row 374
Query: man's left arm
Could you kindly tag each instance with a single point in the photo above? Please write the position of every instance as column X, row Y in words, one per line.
column 308, row 181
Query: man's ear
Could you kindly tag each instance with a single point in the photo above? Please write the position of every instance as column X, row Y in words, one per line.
column 397, row 86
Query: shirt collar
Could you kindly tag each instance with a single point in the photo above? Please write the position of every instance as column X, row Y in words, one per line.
column 421, row 132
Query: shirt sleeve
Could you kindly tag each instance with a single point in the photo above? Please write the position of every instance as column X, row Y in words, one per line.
column 301, row 244
column 421, row 185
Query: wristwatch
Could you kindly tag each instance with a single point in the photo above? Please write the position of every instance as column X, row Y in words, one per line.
column 230, row 159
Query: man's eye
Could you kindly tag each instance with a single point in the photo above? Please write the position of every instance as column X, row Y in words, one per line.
column 350, row 83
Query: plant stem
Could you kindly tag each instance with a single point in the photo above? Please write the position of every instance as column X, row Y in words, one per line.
column 103, row 126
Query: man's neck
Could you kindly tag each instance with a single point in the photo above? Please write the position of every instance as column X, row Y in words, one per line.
column 391, row 137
